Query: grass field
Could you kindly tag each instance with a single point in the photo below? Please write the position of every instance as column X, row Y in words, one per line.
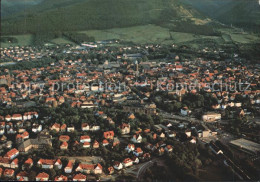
column 61, row 40
column 234, row 35
column 23, row 40
column 244, row 38
column 151, row 34
column 137, row 34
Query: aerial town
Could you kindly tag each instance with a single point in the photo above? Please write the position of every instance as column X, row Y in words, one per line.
column 108, row 111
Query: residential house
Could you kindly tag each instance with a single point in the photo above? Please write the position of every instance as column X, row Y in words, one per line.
column 162, row 135
column 79, row 177
column 89, row 168
column 188, row 133
column 130, row 148
column 27, row 164
column 11, row 154
column 61, row 178
column 118, row 165
column 55, row 127
column 70, row 129
column 95, row 128
column 160, row 151
column 168, row 148
column 58, row 164
column 137, row 138
column 22, row 175
column 64, row 146
column 105, row 142
column 8, row 173
column 95, row 144
column 85, row 127
column 14, row 164
column 109, row 135
column 85, row 138
column 171, row 134
column 5, row 162
column 69, row 167
column 138, row 152
column 64, row 138
column 193, row 140
column 110, row 170
column 127, row 162
column 17, row 117
column 42, row 177
column 86, row 145
column 46, row 163
column 125, row 128
column 135, row 160
column 63, row 128
column 36, row 128
column 116, row 141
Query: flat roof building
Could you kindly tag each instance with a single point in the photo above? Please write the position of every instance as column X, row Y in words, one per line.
column 246, row 145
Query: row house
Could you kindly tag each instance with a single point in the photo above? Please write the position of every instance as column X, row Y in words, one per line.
column 11, row 154
column 9, row 163
column 49, row 163
column 89, row 168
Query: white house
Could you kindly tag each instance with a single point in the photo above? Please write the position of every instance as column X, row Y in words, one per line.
column 130, row 148
column 137, row 139
column 37, row 128
column 68, row 168
column 70, row 129
column 85, row 138
column 85, row 127
column 127, row 162
column 118, row 165
column 58, row 164
column 95, row 128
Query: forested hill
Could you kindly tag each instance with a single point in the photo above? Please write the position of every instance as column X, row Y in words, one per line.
column 242, row 13
column 9, row 7
column 74, row 15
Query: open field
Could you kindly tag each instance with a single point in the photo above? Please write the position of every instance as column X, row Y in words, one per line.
column 235, row 35
column 61, row 40
column 244, row 38
column 23, row 40
column 151, row 34
column 136, row 34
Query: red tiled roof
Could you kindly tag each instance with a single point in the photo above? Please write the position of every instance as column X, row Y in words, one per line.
column 11, row 153
column 42, row 175
column 61, row 178
column 29, row 161
column 8, row 172
column 79, row 177
column 46, row 161
column 64, row 138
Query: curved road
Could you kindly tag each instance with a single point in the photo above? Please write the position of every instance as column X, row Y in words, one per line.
column 144, row 167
